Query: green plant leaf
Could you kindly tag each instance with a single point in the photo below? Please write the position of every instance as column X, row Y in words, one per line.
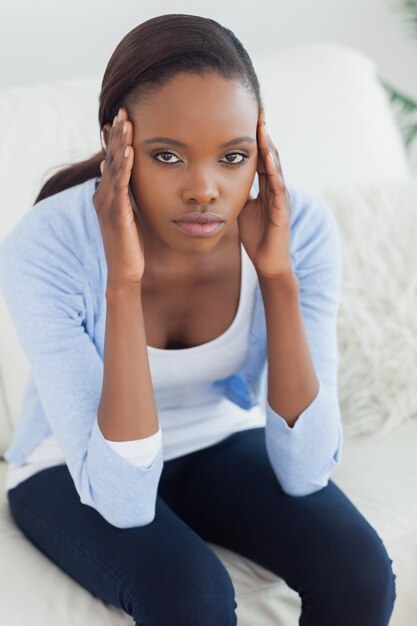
column 405, row 111
column 408, row 9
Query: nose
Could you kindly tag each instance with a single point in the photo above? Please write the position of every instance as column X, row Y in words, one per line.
column 201, row 188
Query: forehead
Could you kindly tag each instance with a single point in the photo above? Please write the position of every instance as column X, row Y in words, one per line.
column 191, row 105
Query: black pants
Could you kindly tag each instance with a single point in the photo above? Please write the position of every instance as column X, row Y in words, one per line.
column 165, row 573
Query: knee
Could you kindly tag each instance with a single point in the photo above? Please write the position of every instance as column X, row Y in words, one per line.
column 200, row 594
column 213, row 600
column 366, row 584
column 374, row 583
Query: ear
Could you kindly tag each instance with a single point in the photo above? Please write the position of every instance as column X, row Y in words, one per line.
column 105, row 135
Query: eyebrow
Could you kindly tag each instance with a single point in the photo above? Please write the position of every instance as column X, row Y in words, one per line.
column 175, row 142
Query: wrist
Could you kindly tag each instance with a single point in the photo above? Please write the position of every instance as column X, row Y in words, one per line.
column 288, row 280
column 123, row 291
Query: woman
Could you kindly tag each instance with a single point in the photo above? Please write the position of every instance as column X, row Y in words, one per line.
column 157, row 300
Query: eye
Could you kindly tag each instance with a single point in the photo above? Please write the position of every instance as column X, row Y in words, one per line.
column 237, row 163
column 164, row 152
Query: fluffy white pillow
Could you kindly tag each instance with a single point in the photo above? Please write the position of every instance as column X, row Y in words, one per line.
column 377, row 324
column 330, row 117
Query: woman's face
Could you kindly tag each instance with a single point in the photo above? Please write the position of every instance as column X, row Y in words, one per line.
column 167, row 180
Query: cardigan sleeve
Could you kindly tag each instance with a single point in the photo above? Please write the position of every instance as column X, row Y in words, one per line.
column 304, row 456
column 43, row 285
column 139, row 452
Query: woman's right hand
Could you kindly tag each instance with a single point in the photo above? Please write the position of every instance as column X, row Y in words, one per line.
column 122, row 239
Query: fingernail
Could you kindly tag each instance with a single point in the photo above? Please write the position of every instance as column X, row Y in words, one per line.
column 125, row 128
column 115, row 121
column 120, row 116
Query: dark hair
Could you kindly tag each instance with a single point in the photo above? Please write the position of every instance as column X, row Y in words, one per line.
column 145, row 59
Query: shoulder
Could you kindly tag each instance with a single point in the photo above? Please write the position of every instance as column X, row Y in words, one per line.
column 61, row 225
column 310, row 214
column 315, row 241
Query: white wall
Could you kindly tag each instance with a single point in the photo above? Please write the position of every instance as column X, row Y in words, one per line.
column 51, row 39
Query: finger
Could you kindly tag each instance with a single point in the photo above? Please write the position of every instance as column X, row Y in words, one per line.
column 277, row 168
column 275, row 162
column 263, row 137
column 114, row 140
column 119, row 198
column 262, row 146
column 265, row 140
column 116, row 167
column 270, row 152
column 261, row 164
column 275, row 154
column 122, row 178
column 115, row 135
column 270, row 158
column 124, row 139
column 105, row 164
column 120, row 136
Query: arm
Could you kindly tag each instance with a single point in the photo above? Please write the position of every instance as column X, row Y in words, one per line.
column 42, row 281
column 304, row 433
column 286, row 232
column 292, row 380
column 127, row 409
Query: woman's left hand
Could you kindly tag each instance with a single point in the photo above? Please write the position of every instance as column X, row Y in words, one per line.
column 264, row 222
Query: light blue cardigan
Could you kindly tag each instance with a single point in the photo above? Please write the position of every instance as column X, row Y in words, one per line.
column 53, row 276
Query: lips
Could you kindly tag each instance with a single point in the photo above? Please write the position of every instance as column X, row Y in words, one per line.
column 199, row 230
column 200, row 218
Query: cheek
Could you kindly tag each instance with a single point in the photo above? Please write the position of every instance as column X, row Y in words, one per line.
column 140, row 170
column 242, row 190
column 145, row 181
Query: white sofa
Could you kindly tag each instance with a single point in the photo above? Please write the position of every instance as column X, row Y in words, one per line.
column 333, row 127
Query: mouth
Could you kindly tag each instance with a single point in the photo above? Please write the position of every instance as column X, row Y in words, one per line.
column 199, row 229
column 200, row 218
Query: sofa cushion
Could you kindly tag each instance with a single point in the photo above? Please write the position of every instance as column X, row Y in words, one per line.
column 378, row 472
column 377, row 324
